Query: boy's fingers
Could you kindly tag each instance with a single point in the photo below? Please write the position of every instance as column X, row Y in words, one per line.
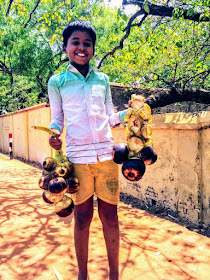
column 55, row 143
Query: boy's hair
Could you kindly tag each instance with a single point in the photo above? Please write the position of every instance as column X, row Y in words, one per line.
column 78, row 25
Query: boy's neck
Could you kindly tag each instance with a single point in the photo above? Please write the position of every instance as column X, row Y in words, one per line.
column 83, row 69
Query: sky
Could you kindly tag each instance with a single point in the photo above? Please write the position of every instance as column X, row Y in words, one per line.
column 129, row 9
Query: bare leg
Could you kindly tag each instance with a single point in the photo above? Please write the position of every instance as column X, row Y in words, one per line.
column 83, row 214
column 109, row 219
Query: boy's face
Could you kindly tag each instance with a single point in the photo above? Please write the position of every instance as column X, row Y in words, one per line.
column 79, row 48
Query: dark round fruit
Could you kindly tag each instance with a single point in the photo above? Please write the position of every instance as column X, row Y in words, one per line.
column 57, row 185
column 44, row 196
column 60, row 171
column 44, row 181
column 73, row 184
column 148, row 155
column 49, row 164
column 64, row 207
column 133, row 169
column 49, row 197
column 120, row 153
column 69, row 166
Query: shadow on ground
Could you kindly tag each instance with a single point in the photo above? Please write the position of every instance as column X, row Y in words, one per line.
column 33, row 238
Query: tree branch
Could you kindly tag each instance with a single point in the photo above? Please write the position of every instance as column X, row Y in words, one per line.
column 9, row 7
column 4, row 68
column 127, row 29
column 166, row 11
column 207, row 72
column 31, row 13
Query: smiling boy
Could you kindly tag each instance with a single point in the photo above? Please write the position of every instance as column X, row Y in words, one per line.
column 83, row 96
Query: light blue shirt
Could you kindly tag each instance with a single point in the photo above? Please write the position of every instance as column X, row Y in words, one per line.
column 86, row 103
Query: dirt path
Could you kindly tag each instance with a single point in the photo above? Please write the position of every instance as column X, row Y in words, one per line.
column 33, row 239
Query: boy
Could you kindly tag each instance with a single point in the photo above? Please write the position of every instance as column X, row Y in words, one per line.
column 83, row 96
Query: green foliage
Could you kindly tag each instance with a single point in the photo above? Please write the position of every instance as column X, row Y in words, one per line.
column 31, row 47
column 163, row 52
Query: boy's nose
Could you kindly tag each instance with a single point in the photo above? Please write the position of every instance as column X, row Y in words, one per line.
column 81, row 46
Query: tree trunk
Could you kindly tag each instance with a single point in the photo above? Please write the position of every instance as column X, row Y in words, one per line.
column 165, row 97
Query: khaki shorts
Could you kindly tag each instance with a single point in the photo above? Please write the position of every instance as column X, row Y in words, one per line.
column 100, row 178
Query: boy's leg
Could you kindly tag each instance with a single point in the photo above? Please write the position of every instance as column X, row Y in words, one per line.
column 83, row 214
column 109, row 218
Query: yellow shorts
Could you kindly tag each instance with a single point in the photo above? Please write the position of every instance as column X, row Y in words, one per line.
column 100, row 178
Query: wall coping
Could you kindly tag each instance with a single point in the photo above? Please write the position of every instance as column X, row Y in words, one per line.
column 25, row 110
column 160, row 121
column 182, row 120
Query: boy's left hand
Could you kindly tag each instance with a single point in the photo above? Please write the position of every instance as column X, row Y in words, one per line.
column 55, row 142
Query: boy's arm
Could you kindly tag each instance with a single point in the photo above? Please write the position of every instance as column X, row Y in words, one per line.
column 114, row 118
column 57, row 116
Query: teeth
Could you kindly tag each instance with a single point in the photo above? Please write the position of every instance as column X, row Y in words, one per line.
column 81, row 54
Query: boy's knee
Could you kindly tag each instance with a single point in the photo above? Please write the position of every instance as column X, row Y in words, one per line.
column 83, row 219
column 109, row 219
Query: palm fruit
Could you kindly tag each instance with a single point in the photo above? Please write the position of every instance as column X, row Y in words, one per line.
column 64, row 207
column 49, row 163
column 145, row 113
column 134, row 124
column 133, row 169
column 138, row 136
column 49, row 197
column 69, row 166
column 73, row 184
column 135, row 144
column 137, row 101
column 146, row 131
column 120, row 153
column 58, row 186
column 148, row 155
column 44, row 181
column 60, row 171
column 44, row 196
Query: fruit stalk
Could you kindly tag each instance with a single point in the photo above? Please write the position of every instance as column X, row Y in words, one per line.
column 59, row 156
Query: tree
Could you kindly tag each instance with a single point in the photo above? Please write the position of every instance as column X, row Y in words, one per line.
column 166, row 51
column 173, row 51
column 31, row 47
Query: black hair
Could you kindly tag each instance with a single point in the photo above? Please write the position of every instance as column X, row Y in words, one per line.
column 78, row 25
column 148, row 153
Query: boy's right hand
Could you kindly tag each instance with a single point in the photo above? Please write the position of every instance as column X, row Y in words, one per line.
column 55, row 142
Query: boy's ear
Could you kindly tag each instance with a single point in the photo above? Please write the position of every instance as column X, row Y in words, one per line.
column 64, row 49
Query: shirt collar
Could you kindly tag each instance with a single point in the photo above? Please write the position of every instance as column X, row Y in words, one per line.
column 71, row 68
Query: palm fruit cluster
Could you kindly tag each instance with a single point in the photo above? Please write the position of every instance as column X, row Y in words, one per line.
column 58, row 182
column 136, row 153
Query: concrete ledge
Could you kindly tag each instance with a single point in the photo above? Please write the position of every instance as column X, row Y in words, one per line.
column 181, row 121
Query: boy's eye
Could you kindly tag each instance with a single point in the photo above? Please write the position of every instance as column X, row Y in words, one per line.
column 86, row 44
column 75, row 43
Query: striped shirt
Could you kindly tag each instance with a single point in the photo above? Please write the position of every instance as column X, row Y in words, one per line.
column 86, row 103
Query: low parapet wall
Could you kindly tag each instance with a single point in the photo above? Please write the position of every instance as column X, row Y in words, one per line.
column 179, row 180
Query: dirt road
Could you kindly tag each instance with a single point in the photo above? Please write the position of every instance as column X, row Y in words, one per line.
column 33, row 239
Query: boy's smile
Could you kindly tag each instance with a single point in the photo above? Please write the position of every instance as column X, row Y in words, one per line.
column 79, row 48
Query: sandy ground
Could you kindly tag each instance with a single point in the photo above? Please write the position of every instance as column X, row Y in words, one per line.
column 33, row 239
